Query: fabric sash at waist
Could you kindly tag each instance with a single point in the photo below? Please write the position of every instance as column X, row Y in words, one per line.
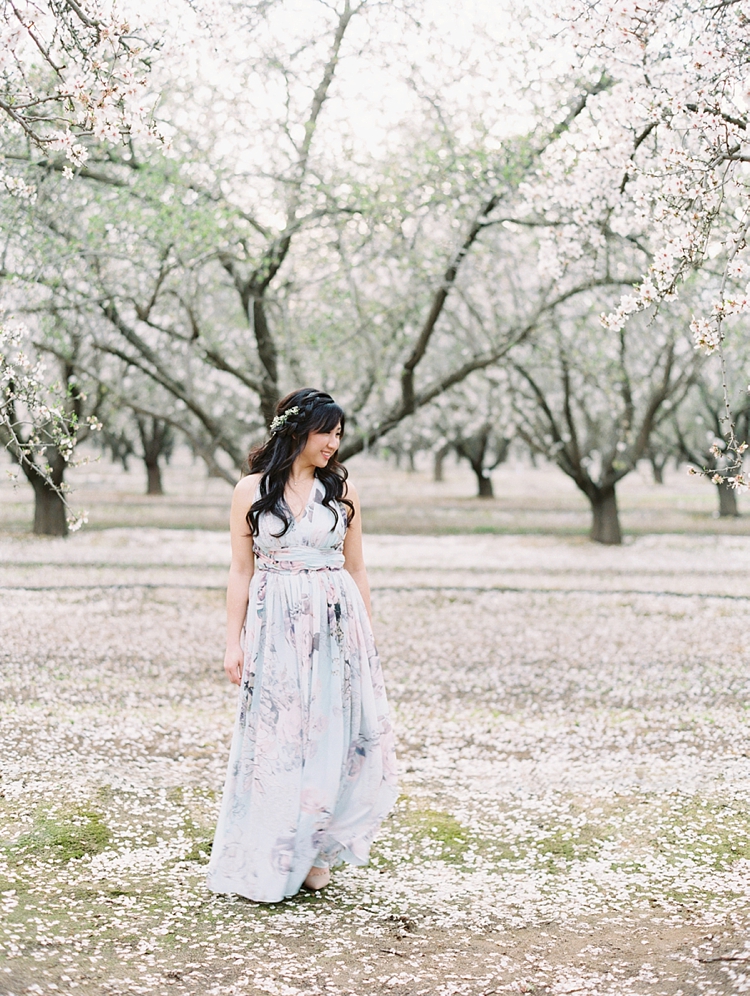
column 299, row 559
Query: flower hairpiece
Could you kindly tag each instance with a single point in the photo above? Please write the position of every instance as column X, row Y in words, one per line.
column 280, row 421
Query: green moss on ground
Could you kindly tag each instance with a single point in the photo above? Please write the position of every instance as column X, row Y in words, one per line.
column 64, row 834
column 443, row 829
column 715, row 834
column 422, row 833
column 568, row 844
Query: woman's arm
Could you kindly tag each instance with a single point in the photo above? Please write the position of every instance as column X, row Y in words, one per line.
column 354, row 560
column 240, row 574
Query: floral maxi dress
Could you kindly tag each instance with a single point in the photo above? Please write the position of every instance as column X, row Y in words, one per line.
column 312, row 769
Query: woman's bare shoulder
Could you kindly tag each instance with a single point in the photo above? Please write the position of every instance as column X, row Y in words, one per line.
column 245, row 489
column 350, row 490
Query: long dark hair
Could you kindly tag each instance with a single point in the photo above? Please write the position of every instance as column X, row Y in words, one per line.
column 297, row 415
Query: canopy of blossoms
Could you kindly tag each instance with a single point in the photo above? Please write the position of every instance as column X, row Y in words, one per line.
column 659, row 160
column 72, row 68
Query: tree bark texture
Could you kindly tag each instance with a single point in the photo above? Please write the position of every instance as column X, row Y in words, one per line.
column 438, row 467
column 49, row 511
column 157, row 440
column 727, row 500
column 153, row 470
column 269, row 393
column 50, row 514
column 484, row 483
column 474, row 449
column 657, row 466
column 605, row 524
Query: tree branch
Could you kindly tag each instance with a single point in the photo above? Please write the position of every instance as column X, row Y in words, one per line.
column 153, row 369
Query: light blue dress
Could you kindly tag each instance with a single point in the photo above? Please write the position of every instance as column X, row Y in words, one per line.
column 312, row 767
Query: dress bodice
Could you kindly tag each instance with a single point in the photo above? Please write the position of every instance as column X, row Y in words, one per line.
column 313, row 542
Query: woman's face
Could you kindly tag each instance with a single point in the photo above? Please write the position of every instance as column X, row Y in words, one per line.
column 321, row 446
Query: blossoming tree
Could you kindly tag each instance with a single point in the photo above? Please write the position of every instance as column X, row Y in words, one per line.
column 590, row 402
column 698, row 427
column 659, row 160
column 70, row 71
column 240, row 263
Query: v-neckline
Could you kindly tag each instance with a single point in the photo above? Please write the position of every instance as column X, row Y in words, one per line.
column 305, row 506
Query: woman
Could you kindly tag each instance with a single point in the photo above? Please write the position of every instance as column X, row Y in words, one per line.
column 312, row 766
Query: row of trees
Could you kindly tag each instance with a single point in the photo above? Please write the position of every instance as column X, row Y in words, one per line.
column 568, row 403
column 442, row 270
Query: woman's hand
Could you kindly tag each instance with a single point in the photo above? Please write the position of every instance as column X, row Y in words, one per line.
column 233, row 661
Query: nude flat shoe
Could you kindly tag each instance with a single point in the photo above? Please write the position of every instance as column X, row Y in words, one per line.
column 317, row 878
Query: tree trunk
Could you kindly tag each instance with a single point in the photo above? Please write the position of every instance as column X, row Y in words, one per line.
column 157, row 440
column 473, row 448
column 657, row 466
column 605, row 525
column 727, row 500
column 269, row 387
column 49, row 511
column 153, row 471
column 50, row 514
column 439, row 464
column 484, row 483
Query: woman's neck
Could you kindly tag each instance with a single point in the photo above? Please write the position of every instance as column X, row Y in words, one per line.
column 301, row 473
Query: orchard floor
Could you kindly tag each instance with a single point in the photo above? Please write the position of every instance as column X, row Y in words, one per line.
column 574, row 756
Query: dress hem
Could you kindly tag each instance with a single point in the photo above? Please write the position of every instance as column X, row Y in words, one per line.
column 344, row 857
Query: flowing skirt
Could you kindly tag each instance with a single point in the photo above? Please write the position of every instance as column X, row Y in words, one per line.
column 312, row 768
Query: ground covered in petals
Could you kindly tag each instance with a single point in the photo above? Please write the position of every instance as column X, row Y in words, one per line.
column 574, row 750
